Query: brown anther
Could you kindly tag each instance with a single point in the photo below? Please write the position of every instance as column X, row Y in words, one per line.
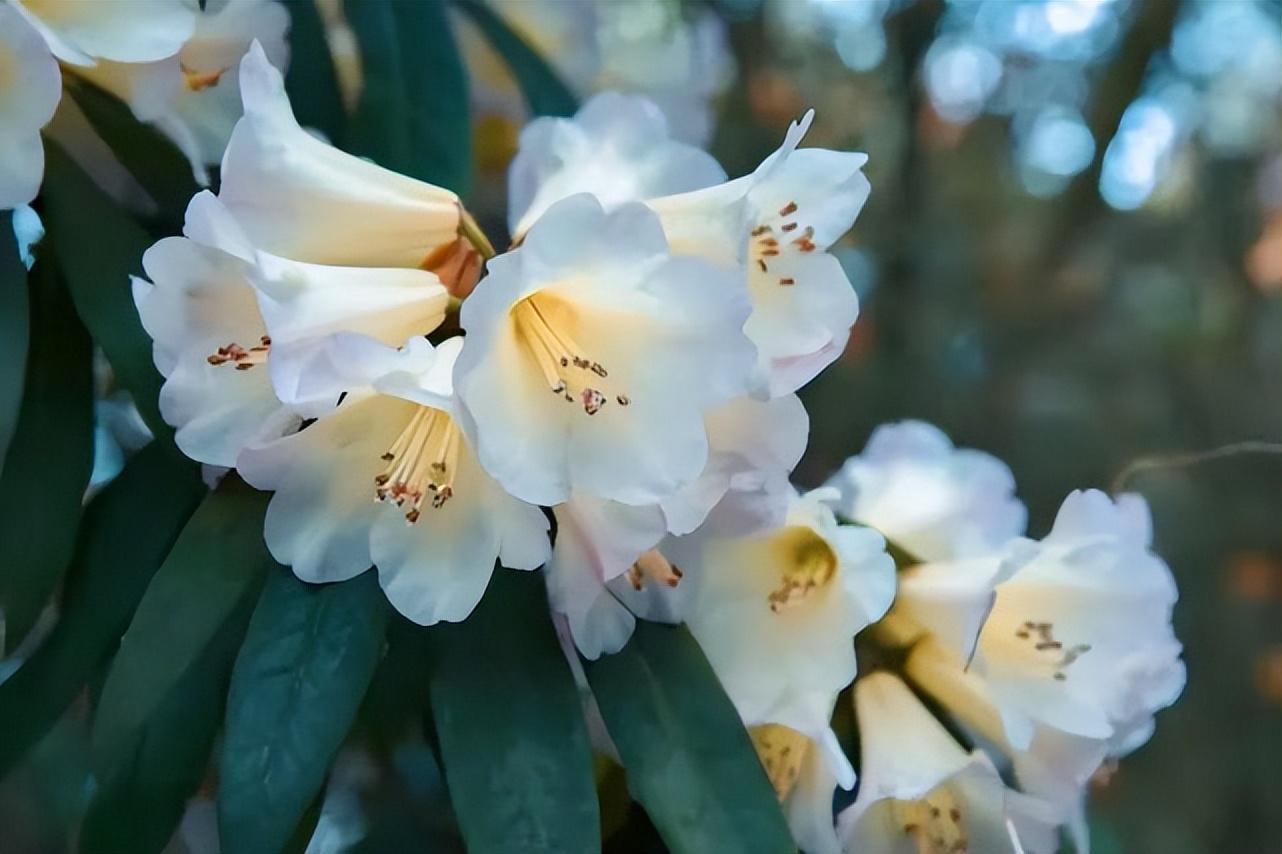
column 199, row 80
column 789, row 226
column 623, row 399
column 787, row 209
column 788, row 281
column 762, row 264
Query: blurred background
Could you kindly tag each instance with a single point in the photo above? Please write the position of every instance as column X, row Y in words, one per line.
column 1072, row 258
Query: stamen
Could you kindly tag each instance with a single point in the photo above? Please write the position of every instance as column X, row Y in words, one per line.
column 243, row 359
column 1042, row 637
column 422, row 460
column 805, row 563
column 560, row 359
column 782, row 750
column 934, row 823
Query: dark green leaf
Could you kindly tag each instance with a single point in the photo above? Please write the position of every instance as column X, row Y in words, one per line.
column 13, row 330
column 126, row 533
column 157, row 164
column 299, row 679
column 218, row 563
column 413, row 113
column 141, row 798
column 311, row 81
column 99, row 245
column 688, row 758
column 544, row 90
column 50, row 456
column 512, row 737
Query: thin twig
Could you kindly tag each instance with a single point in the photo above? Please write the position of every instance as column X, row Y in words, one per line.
column 1191, row 458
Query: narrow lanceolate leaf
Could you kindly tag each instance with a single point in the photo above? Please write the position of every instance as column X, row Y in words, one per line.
column 154, row 161
column 688, row 758
column 545, row 92
column 140, row 799
column 13, row 330
column 47, row 465
column 512, row 738
column 413, row 113
column 127, row 530
column 311, row 81
column 299, row 679
column 217, row 564
column 99, row 246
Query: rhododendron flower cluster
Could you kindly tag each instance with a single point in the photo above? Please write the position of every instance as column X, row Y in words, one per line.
column 612, row 402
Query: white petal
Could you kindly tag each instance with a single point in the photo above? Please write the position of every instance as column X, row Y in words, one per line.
column 599, row 624
column 22, row 166
column 303, row 304
column 617, row 147
column 438, row 568
column 644, row 316
column 122, row 30
column 319, row 520
column 31, row 85
column 303, row 199
column 927, row 497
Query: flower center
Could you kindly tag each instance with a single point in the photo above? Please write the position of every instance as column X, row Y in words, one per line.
column 570, row 373
column 934, row 823
column 781, row 750
column 655, row 567
column 242, row 358
column 806, row 565
column 422, row 461
column 199, row 80
column 1041, row 637
column 767, row 243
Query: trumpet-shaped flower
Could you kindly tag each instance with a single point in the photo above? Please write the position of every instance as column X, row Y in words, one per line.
column 593, row 356
column 30, row 88
column 210, row 340
column 934, row 500
column 1079, row 637
column 81, row 33
column 805, row 764
column 304, row 304
column 1055, row 766
column 300, row 198
column 753, row 445
column 388, row 478
column 919, row 791
column 772, row 227
column 616, row 147
column 780, row 221
column 193, row 96
column 776, row 612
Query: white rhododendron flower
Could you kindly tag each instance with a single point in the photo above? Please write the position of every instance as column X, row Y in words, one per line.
column 193, row 96
column 1079, row 637
column 388, row 478
column 1054, row 765
column 80, row 33
column 780, row 222
column 936, row 501
column 210, row 340
column 30, row 88
column 300, row 198
column 921, row 791
column 753, row 445
column 805, row 764
column 773, row 227
column 616, row 147
column 776, row 612
column 304, row 304
column 593, row 356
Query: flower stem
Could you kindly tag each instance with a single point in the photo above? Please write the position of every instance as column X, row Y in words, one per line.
column 473, row 234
